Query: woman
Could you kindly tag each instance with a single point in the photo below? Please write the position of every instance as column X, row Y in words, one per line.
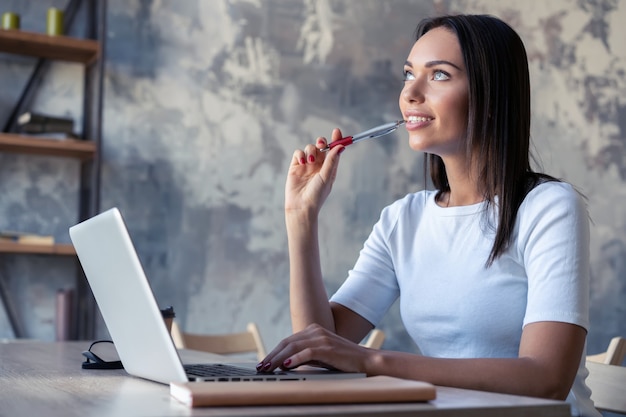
column 491, row 267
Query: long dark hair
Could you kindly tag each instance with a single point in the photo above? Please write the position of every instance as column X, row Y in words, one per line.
column 498, row 126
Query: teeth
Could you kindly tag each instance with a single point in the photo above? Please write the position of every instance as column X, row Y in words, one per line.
column 417, row 119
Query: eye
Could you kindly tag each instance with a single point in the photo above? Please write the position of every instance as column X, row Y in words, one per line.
column 407, row 75
column 440, row 75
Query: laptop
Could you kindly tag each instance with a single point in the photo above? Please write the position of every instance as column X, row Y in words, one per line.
column 134, row 320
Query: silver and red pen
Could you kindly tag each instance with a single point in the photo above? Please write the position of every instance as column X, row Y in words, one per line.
column 376, row 132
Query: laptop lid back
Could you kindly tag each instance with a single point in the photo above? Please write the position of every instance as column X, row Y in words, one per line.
column 125, row 299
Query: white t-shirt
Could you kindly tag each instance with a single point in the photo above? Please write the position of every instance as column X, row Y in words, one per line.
column 452, row 305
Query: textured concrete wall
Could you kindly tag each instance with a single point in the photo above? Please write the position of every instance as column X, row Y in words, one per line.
column 205, row 102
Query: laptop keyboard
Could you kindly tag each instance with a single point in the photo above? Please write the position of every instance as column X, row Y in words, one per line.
column 216, row 370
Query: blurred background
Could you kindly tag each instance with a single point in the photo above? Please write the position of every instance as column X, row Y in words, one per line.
column 204, row 103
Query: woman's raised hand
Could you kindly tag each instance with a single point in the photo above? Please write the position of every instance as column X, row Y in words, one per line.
column 311, row 176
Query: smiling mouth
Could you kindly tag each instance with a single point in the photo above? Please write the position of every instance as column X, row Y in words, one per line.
column 418, row 119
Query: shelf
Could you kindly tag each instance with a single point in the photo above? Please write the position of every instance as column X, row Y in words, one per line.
column 63, row 48
column 88, row 52
column 70, row 148
column 56, row 249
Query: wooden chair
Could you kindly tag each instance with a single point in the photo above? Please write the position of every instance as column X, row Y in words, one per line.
column 607, row 379
column 614, row 354
column 249, row 341
column 374, row 340
column 607, row 384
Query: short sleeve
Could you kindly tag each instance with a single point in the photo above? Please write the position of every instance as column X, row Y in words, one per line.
column 371, row 287
column 554, row 240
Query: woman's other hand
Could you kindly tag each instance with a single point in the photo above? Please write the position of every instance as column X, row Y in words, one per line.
column 319, row 347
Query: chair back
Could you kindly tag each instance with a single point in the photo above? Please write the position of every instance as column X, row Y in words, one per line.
column 614, row 354
column 375, row 339
column 607, row 379
column 608, row 386
column 223, row 344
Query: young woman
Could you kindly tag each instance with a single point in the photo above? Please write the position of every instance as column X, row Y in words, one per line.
column 492, row 267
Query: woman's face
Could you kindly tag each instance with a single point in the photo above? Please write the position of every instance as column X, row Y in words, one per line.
column 434, row 100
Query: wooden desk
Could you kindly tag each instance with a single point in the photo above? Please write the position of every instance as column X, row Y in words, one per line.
column 40, row 378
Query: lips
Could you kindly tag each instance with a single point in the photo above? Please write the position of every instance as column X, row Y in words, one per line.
column 417, row 120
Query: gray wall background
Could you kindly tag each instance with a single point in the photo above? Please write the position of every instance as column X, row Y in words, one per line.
column 205, row 101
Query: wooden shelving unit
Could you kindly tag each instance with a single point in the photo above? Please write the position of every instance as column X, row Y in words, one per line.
column 69, row 148
column 63, row 249
column 88, row 52
column 40, row 45
column 63, row 48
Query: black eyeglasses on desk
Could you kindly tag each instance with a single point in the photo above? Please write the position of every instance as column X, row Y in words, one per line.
column 94, row 361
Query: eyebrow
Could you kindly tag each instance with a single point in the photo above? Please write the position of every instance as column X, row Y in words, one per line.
column 430, row 64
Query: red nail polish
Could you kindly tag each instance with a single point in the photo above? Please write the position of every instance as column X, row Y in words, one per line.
column 287, row 362
column 259, row 366
column 267, row 366
column 302, row 161
column 311, row 158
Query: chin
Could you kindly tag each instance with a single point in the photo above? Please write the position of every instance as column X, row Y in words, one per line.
column 417, row 145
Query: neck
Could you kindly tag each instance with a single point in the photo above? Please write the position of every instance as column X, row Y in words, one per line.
column 464, row 190
column 452, row 199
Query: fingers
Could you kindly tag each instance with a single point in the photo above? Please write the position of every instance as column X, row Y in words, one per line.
column 314, row 346
column 279, row 356
column 321, row 143
column 309, row 155
column 336, row 135
column 312, row 153
column 303, row 156
column 330, row 168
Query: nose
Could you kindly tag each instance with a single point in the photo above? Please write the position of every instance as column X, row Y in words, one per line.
column 412, row 92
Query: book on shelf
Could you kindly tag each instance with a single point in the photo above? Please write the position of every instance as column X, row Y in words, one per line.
column 51, row 135
column 31, row 122
column 26, row 238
